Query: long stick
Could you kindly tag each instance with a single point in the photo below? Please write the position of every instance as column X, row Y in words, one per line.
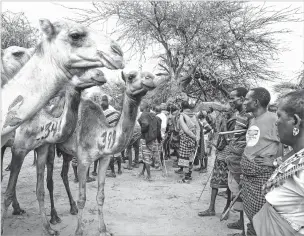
column 231, row 205
column 233, row 131
column 205, row 185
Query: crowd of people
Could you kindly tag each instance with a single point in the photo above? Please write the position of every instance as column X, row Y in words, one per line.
column 250, row 140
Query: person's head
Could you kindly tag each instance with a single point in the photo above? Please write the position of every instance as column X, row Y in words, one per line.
column 185, row 105
column 163, row 107
column 291, row 117
column 257, row 98
column 104, row 102
column 201, row 115
column 272, row 108
column 237, row 97
column 144, row 107
column 157, row 109
column 210, row 110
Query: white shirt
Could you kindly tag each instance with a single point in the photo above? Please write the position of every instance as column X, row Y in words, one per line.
column 164, row 122
column 288, row 199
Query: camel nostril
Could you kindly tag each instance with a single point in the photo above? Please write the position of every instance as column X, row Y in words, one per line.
column 116, row 48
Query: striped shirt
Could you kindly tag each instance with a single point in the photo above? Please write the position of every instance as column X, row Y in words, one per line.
column 112, row 116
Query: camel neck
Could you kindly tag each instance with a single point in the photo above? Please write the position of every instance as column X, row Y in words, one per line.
column 29, row 91
column 125, row 126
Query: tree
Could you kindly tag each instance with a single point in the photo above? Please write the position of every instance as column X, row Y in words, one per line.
column 207, row 47
column 286, row 87
column 17, row 31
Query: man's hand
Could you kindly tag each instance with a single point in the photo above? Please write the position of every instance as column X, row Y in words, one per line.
column 264, row 161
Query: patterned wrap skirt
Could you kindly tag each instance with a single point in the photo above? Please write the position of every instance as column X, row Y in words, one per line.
column 149, row 151
column 186, row 150
column 254, row 177
column 219, row 178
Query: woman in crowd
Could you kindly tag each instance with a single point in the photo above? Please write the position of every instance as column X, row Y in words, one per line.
column 283, row 212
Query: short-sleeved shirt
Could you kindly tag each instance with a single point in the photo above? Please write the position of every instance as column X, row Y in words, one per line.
column 262, row 136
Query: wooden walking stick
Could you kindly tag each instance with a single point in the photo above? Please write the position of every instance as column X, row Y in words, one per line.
column 231, row 205
column 205, row 185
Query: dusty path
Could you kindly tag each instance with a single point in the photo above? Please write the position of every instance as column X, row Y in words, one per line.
column 132, row 206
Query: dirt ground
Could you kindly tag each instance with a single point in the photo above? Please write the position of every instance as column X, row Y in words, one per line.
column 132, row 206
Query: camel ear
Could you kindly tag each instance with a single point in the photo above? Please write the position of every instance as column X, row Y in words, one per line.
column 47, row 28
column 123, row 76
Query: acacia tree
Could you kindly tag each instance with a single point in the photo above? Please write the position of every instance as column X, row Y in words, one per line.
column 207, row 47
column 286, row 87
column 17, row 31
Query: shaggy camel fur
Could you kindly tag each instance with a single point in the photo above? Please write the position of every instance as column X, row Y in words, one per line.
column 67, row 49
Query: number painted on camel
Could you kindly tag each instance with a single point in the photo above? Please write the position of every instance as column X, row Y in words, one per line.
column 107, row 140
column 48, row 129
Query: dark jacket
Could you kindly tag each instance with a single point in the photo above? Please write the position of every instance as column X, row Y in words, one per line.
column 150, row 126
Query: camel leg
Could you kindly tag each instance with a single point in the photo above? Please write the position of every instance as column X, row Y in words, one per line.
column 35, row 158
column 2, row 156
column 10, row 193
column 42, row 152
column 82, row 170
column 50, row 184
column 103, row 165
column 64, row 175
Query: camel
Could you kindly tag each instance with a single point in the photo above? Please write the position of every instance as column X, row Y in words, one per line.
column 66, row 50
column 13, row 59
column 52, row 124
column 94, row 140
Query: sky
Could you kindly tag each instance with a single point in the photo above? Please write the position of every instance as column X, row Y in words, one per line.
column 289, row 61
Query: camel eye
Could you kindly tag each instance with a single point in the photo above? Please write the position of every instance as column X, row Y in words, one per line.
column 76, row 36
column 132, row 76
column 18, row 54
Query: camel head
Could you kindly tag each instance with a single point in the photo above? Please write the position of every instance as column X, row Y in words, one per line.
column 90, row 78
column 138, row 83
column 13, row 59
column 73, row 47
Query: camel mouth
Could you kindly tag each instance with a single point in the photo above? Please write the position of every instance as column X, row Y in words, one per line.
column 110, row 63
column 149, row 87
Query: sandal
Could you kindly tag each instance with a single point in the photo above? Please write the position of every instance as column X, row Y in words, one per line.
column 184, row 181
column 179, row 171
column 235, row 225
column 206, row 213
column 149, row 179
column 128, row 167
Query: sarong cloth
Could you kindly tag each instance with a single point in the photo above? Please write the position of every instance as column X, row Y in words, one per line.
column 149, row 151
column 186, row 149
column 267, row 222
column 255, row 176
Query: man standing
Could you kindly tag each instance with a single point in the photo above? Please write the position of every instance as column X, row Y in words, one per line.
column 189, row 139
column 263, row 146
column 161, row 113
column 235, row 150
column 150, row 130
